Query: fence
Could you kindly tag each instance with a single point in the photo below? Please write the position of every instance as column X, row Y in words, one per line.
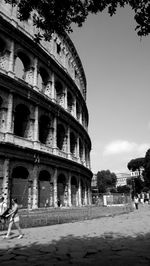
column 111, row 199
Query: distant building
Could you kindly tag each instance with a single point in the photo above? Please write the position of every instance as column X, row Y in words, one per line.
column 122, row 179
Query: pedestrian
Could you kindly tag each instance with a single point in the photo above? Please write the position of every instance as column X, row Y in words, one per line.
column 136, row 202
column 3, row 208
column 14, row 219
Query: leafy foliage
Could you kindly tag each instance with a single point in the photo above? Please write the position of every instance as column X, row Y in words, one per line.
column 56, row 15
column 136, row 164
column 123, row 189
column 105, row 179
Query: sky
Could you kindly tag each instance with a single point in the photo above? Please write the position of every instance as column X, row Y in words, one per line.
column 117, row 67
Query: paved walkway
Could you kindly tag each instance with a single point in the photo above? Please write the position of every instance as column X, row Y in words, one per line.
column 121, row 240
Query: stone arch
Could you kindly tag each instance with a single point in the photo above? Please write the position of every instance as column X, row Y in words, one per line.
column 70, row 102
column 20, row 185
column 4, row 54
column 21, row 120
column 44, row 127
column 43, row 78
column 80, row 150
column 2, row 45
column 73, row 142
column 78, row 112
column 82, row 192
column 61, row 189
column 22, row 64
column 61, row 135
column 59, row 92
column 45, row 190
column 74, row 191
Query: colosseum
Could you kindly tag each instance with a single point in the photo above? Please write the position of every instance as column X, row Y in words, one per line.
column 44, row 141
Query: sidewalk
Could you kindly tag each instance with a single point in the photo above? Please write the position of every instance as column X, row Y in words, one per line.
column 119, row 240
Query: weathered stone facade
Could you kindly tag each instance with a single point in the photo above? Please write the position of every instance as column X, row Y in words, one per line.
column 44, row 142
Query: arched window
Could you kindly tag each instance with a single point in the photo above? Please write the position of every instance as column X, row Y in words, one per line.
column 74, row 190
column 80, row 149
column 21, row 121
column 59, row 93
column 19, row 188
column 60, row 136
column 73, row 142
column 2, row 46
column 22, row 64
column 44, row 189
column 61, row 183
column 70, row 102
column 42, row 79
column 44, row 126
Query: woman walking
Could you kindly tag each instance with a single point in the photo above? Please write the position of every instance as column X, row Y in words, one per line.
column 14, row 219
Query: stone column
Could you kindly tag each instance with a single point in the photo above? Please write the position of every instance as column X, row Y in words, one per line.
column 6, row 180
column 75, row 109
column 85, row 196
column 65, row 98
column 11, row 60
column 55, row 135
column 89, row 195
column 69, row 190
column 53, row 96
column 68, row 143
column 78, row 152
column 35, row 74
column 35, row 187
column 9, row 126
column 36, row 124
column 79, row 193
column 55, row 187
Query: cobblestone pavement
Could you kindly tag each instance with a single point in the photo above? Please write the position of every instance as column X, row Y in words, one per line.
column 120, row 240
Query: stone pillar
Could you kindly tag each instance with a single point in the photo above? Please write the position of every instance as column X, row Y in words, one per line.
column 89, row 195
column 68, row 143
column 79, row 193
column 69, row 190
column 36, row 124
column 35, row 187
column 9, row 126
column 6, row 180
column 75, row 109
column 85, row 196
column 11, row 60
column 53, row 96
column 65, row 98
column 78, row 152
column 35, row 74
column 55, row 133
column 55, row 187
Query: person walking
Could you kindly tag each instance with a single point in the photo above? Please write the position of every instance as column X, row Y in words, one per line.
column 3, row 208
column 136, row 202
column 14, row 219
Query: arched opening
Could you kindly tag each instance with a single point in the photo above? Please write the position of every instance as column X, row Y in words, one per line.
column 61, row 184
column 59, row 93
column 21, row 121
column 80, row 150
column 22, row 64
column 44, row 189
column 42, row 79
column 60, row 136
column 73, row 142
column 74, row 190
column 19, row 188
column 78, row 111
column 70, row 102
column 82, row 192
column 44, row 126
column 2, row 46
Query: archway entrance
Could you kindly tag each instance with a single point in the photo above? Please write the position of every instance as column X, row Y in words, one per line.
column 61, row 183
column 45, row 190
column 19, row 187
column 74, row 189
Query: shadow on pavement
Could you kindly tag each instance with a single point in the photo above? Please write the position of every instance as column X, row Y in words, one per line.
column 108, row 249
